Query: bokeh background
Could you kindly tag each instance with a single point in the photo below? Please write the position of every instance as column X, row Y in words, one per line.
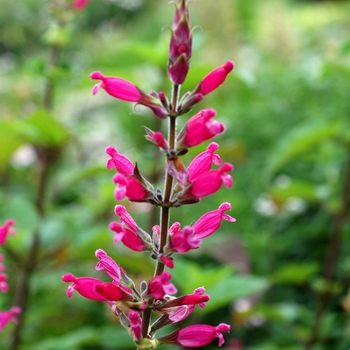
column 280, row 274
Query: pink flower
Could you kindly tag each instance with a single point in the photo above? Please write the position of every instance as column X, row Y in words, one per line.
column 117, row 87
column 129, row 238
column 202, row 163
column 126, row 91
column 214, row 79
column 6, row 230
column 84, row 286
column 200, row 128
column 210, row 182
column 135, row 325
column 211, row 221
column 198, row 297
column 111, row 292
column 183, row 241
column 107, row 264
column 130, row 187
column 173, row 314
column 4, row 288
column 120, row 162
column 7, row 316
column 125, row 217
column 80, row 4
column 160, row 285
column 157, row 138
column 196, row 336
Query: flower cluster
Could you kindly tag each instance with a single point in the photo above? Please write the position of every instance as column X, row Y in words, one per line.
column 10, row 315
column 184, row 184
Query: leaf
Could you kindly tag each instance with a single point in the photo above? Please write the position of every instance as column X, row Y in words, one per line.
column 228, row 289
column 300, row 141
column 48, row 131
column 188, row 275
column 296, row 188
column 295, row 273
column 13, row 134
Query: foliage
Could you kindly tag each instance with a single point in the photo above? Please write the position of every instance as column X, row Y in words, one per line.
column 286, row 107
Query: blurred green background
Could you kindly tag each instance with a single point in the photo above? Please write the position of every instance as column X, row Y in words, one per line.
column 280, row 274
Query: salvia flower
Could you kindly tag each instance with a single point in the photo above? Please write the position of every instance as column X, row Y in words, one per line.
column 10, row 315
column 211, row 221
column 199, row 128
column 124, row 90
column 196, row 336
column 160, row 286
column 210, row 182
column 203, row 162
column 80, row 4
column 84, row 286
column 129, row 238
column 4, row 288
column 135, row 325
column 130, row 187
column 5, row 230
column 119, row 161
column 107, row 264
column 109, row 291
column 214, row 79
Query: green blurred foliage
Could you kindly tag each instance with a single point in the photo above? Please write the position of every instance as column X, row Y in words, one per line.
column 287, row 111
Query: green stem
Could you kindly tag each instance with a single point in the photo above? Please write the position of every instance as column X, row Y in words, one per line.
column 165, row 209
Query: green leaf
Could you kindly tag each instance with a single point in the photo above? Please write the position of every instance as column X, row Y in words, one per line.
column 13, row 134
column 295, row 273
column 231, row 288
column 300, row 141
column 48, row 131
column 296, row 188
column 188, row 275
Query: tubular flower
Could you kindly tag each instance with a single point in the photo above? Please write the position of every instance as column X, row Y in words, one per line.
column 125, row 217
column 10, row 315
column 178, row 313
column 6, row 230
column 80, row 4
column 111, row 292
column 127, row 91
column 202, row 163
column 84, row 286
column 200, row 128
column 183, row 241
column 211, row 221
column 135, row 325
column 210, row 182
column 196, row 336
column 130, row 187
column 214, row 79
column 117, row 87
column 4, row 288
column 129, row 238
column 107, row 264
column 160, row 285
column 120, row 162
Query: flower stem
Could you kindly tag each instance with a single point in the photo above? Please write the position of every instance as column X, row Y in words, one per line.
column 165, row 209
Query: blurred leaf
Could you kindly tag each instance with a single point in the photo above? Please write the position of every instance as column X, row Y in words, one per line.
column 295, row 273
column 48, row 131
column 9, row 143
column 296, row 188
column 300, row 141
column 72, row 340
column 188, row 275
column 228, row 289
